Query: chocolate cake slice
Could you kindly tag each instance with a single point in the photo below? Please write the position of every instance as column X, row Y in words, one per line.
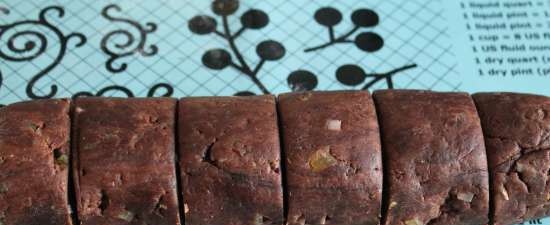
column 517, row 135
column 125, row 161
column 333, row 158
column 435, row 161
column 34, row 157
column 230, row 160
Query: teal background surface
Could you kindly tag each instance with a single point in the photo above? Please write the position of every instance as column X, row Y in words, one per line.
column 414, row 32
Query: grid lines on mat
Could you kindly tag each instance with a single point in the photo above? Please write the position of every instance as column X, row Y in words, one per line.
column 414, row 31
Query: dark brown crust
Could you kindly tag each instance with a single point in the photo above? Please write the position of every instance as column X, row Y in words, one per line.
column 434, row 158
column 125, row 163
column 33, row 184
column 230, row 158
column 517, row 134
column 343, row 126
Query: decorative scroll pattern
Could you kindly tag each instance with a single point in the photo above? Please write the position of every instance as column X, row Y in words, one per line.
column 35, row 35
column 255, row 47
column 131, row 44
column 168, row 91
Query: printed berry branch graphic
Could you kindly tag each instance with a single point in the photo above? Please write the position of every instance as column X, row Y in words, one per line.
column 34, row 34
column 129, row 46
column 353, row 75
column 369, row 42
column 218, row 58
column 362, row 18
column 169, row 90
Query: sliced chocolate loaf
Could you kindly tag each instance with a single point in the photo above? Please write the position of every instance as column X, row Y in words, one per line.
column 125, row 161
column 333, row 158
column 435, row 161
column 230, row 160
column 34, row 157
column 517, row 135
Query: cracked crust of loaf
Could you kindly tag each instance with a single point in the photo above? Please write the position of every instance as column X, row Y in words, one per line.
column 333, row 158
column 517, row 133
column 34, row 151
column 230, row 160
column 435, row 159
column 125, row 163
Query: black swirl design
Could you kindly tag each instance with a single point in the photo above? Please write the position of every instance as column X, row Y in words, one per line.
column 6, row 11
column 128, row 47
column 34, row 33
column 168, row 91
column 3, row 11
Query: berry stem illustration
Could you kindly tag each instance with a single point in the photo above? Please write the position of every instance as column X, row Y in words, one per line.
column 370, row 42
column 354, row 75
column 218, row 58
column 388, row 76
column 333, row 40
column 366, row 41
column 244, row 68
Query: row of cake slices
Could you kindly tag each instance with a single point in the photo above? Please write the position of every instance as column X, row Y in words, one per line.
column 399, row 157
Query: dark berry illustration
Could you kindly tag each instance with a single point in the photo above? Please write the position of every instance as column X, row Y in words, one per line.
column 216, row 59
column 244, row 93
column 302, row 80
column 254, row 19
column 361, row 18
column 365, row 18
column 202, row 24
column 369, row 42
column 270, row 50
column 350, row 75
column 328, row 16
column 219, row 58
column 225, row 7
column 4, row 10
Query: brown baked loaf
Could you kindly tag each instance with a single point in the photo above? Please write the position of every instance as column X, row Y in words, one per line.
column 517, row 135
column 434, row 159
column 230, row 161
column 333, row 159
column 125, row 161
column 34, row 157
column 429, row 146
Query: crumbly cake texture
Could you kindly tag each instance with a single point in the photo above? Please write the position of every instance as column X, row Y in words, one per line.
column 435, row 160
column 333, row 158
column 517, row 135
column 34, row 157
column 124, row 163
column 230, row 160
